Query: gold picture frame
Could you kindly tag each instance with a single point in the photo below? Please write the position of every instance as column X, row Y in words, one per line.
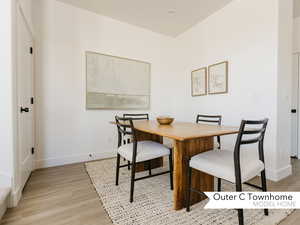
column 199, row 82
column 218, row 78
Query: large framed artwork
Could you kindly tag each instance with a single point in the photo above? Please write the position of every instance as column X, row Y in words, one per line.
column 199, row 82
column 218, row 78
column 116, row 83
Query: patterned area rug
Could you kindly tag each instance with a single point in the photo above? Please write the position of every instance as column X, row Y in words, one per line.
column 153, row 201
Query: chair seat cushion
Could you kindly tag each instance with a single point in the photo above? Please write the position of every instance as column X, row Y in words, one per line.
column 220, row 163
column 146, row 150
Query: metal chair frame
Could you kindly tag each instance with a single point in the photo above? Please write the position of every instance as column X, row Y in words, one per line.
column 134, row 116
column 216, row 119
column 125, row 127
column 239, row 142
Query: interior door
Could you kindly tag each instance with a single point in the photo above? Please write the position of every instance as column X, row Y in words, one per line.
column 25, row 95
column 295, row 104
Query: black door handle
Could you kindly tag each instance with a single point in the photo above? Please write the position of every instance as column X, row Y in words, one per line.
column 294, row 111
column 24, row 109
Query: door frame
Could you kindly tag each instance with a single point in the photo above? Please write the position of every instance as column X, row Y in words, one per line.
column 298, row 108
column 18, row 187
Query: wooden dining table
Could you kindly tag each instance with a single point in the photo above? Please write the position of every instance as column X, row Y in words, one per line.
column 189, row 139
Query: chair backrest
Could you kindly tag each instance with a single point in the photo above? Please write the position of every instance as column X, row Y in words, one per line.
column 258, row 130
column 139, row 116
column 217, row 119
column 125, row 127
column 209, row 119
column 134, row 116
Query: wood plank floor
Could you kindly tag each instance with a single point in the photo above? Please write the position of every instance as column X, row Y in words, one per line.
column 65, row 196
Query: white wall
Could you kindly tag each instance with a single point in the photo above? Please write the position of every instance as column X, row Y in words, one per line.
column 6, row 94
column 66, row 131
column 246, row 34
column 252, row 35
column 296, row 35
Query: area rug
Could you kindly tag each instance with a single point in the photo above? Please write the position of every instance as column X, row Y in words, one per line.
column 153, row 201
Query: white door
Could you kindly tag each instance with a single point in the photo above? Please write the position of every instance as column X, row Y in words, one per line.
column 25, row 101
column 295, row 104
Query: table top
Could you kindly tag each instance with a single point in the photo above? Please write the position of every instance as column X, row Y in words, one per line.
column 183, row 130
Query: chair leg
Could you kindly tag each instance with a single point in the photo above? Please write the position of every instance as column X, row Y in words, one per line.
column 117, row 170
column 241, row 216
column 188, row 188
column 149, row 166
column 171, row 170
column 128, row 165
column 132, row 181
column 240, row 211
column 264, row 187
column 219, row 184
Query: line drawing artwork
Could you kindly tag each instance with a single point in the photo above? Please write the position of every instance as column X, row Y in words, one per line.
column 199, row 78
column 218, row 78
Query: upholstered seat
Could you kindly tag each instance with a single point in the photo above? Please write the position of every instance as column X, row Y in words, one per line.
column 219, row 163
column 146, row 150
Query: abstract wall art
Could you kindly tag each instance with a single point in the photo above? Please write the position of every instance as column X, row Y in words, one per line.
column 116, row 83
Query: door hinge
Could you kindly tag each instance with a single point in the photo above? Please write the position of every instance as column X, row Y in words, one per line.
column 31, row 50
column 32, row 100
column 32, row 151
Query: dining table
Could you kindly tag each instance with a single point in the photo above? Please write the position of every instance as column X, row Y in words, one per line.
column 188, row 139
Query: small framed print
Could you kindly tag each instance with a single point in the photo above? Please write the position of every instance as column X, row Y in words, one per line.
column 199, row 82
column 218, row 78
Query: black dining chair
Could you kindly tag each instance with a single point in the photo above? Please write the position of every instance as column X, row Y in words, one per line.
column 138, row 152
column 135, row 116
column 216, row 119
column 212, row 119
column 238, row 166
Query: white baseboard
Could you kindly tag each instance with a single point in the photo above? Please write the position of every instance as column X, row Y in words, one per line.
column 279, row 174
column 51, row 162
column 14, row 198
column 3, row 208
column 4, row 198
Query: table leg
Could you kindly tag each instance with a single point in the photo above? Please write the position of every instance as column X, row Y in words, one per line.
column 200, row 181
column 155, row 163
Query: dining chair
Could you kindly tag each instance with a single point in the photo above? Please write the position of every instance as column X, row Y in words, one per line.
column 238, row 166
column 138, row 152
column 137, row 116
column 215, row 119
column 126, row 139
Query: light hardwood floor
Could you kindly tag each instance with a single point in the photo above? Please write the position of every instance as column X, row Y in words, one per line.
column 65, row 196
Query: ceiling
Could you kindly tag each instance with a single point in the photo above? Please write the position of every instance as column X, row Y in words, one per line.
column 169, row 17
